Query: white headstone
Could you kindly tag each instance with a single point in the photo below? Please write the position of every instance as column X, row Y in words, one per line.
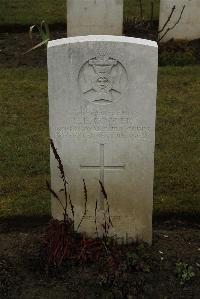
column 188, row 27
column 102, row 102
column 86, row 17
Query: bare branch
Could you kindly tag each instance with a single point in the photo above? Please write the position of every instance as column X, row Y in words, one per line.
column 71, row 206
column 85, row 209
column 152, row 12
column 107, row 202
column 54, row 194
column 62, row 172
column 141, row 9
column 95, row 217
column 168, row 19
column 172, row 27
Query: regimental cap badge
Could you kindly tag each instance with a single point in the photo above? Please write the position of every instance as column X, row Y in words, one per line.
column 102, row 80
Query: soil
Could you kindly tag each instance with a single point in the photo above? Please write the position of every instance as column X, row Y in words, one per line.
column 14, row 42
column 14, row 45
column 23, row 272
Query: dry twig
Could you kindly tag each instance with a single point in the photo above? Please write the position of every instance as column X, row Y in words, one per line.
column 172, row 27
column 85, row 206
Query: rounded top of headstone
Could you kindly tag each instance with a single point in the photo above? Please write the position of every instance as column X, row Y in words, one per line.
column 102, row 38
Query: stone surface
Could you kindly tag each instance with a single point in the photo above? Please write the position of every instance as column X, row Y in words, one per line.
column 86, row 17
column 189, row 26
column 102, row 103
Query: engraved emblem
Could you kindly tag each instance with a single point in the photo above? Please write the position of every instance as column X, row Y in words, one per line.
column 102, row 80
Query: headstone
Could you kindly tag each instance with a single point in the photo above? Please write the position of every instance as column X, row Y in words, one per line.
column 102, row 102
column 188, row 28
column 86, row 17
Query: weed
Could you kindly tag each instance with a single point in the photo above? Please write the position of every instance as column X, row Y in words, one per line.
column 136, row 263
column 63, row 244
column 44, row 33
column 184, row 272
column 62, row 241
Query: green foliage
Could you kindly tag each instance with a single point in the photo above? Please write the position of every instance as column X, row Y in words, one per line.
column 132, row 259
column 141, row 249
column 179, row 53
column 135, row 262
column 177, row 59
column 44, row 33
column 136, row 259
column 184, row 272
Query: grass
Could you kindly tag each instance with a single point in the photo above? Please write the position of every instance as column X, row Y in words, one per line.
column 132, row 8
column 177, row 185
column 27, row 12
column 25, row 149
column 24, row 142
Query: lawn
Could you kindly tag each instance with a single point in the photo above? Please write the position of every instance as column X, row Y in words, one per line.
column 26, row 12
column 177, row 185
column 24, row 142
column 24, row 155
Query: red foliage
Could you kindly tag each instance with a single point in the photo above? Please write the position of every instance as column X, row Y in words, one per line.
column 58, row 242
column 61, row 243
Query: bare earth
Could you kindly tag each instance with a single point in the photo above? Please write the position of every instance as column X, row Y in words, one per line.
column 23, row 274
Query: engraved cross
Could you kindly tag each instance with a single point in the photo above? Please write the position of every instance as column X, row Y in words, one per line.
column 102, row 167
